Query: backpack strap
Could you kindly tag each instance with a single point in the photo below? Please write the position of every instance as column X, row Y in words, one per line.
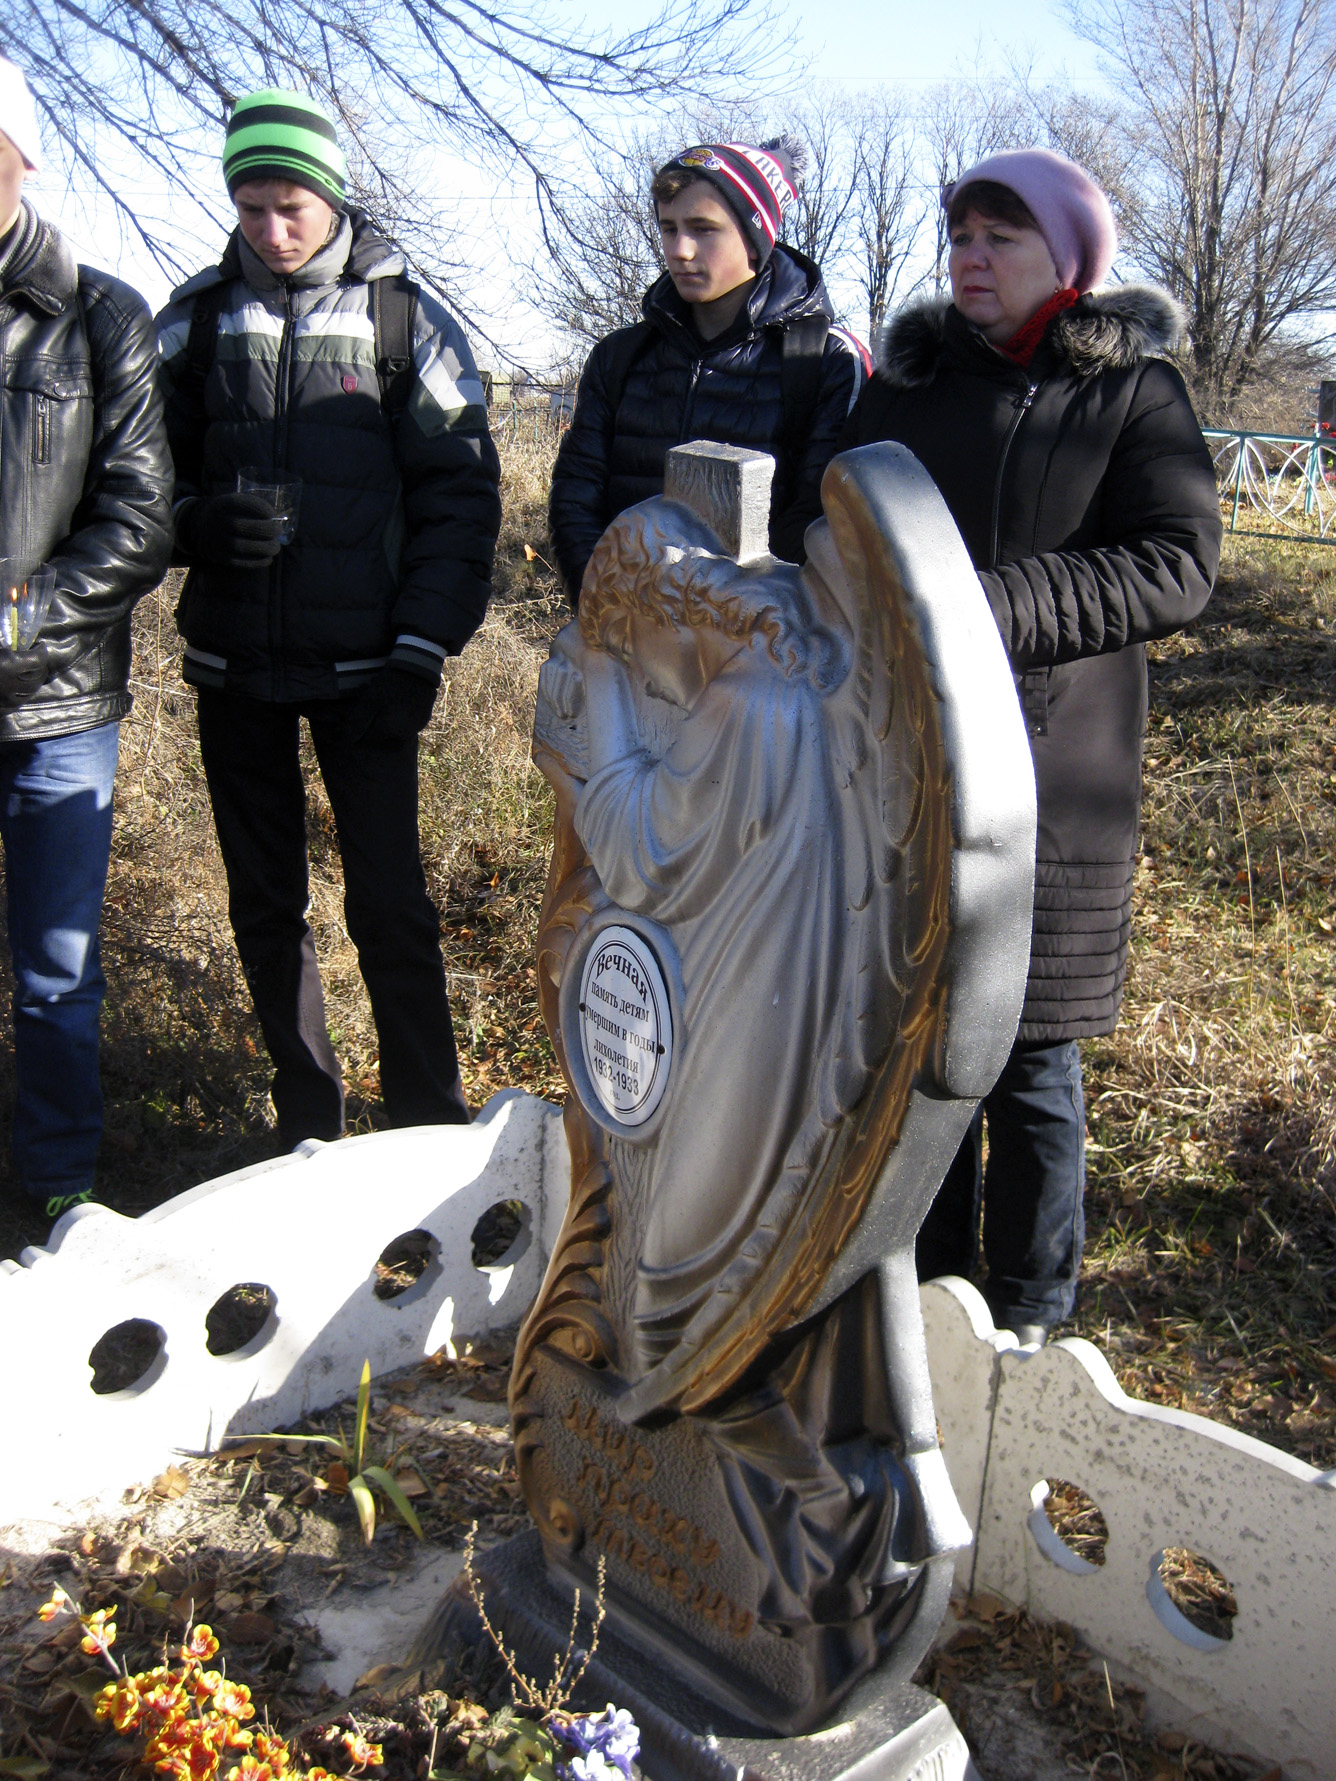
column 624, row 347
column 394, row 304
column 803, row 349
column 202, row 341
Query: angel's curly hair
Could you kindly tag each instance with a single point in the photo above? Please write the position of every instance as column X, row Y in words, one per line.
column 633, row 571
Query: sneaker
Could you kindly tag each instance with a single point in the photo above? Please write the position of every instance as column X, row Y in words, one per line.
column 59, row 1203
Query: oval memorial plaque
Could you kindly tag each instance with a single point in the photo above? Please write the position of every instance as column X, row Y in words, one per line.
column 626, row 1027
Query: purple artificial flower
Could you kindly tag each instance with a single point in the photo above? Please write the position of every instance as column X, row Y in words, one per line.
column 606, row 1743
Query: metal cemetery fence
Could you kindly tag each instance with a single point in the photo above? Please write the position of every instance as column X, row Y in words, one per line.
column 531, row 412
column 1287, row 478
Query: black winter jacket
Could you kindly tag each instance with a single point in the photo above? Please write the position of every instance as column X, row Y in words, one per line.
column 680, row 388
column 1087, row 499
column 392, row 555
column 85, row 476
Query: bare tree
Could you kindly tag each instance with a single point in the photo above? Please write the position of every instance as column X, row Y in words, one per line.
column 820, row 222
column 591, row 278
column 135, row 89
column 960, row 122
column 1230, row 139
column 888, row 198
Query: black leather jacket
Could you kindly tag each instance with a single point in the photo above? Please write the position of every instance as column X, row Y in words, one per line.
column 85, row 475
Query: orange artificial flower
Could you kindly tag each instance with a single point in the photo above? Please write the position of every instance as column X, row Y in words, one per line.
column 233, row 1699
column 248, row 1769
column 120, row 1702
column 200, row 1644
column 101, row 1634
column 361, row 1752
column 57, row 1605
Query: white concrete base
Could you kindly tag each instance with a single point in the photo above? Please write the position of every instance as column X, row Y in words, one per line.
column 310, row 1227
column 1163, row 1478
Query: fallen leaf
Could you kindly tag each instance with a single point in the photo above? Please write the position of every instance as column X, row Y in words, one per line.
column 1057, row 1691
column 336, row 1477
column 250, row 1628
column 411, row 1484
column 376, row 1675
column 248, row 1450
column 986, row 1607
column 967, row 1638
column 171, row 1483
column 1327, row 1365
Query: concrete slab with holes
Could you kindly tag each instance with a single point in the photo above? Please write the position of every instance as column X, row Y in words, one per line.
column 304, row 1233
column 1015, row 1421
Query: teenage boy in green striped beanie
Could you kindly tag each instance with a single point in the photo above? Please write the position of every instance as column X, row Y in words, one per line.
column 307, row 354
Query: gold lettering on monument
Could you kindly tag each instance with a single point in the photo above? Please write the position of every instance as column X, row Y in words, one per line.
column 614, row 1481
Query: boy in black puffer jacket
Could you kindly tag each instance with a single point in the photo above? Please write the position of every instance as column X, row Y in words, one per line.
column 737, row 346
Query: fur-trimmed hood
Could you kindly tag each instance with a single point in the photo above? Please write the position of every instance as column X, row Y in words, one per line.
column 1110, row 330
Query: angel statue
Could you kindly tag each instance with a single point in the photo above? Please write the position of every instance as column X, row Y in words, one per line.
column 781, row 954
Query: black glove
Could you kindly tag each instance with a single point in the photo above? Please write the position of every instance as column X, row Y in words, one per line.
column 22, row 672
column 393, row 707
column 230, row 531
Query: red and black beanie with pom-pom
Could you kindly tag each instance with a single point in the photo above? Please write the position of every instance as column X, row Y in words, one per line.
column 758, row 184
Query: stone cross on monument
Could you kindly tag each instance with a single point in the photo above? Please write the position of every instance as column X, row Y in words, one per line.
column 781, row 955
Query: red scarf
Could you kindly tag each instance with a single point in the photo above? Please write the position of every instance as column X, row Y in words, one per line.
column 1020, row 349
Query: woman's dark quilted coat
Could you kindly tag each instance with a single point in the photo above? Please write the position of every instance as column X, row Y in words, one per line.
column 680, row 388
column 1087, row 499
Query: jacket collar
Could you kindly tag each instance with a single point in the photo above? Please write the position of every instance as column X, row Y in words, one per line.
column 1110, row 330
column 789, row 285
column 357, row 248
column 41, row 268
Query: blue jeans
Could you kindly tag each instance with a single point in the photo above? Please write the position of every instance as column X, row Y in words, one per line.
column 1033, row 1192
column 55, row 820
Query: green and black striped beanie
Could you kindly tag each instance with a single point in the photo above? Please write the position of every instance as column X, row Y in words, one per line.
column 278, row 135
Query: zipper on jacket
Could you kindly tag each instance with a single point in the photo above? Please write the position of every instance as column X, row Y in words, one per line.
column 1023, row 408
column 282, row 381
column 41, row 430
column 683, row 433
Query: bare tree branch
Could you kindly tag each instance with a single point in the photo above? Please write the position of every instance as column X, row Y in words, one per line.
column 1229, row 135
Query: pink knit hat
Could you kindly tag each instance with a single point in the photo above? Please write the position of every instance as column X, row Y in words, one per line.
column 1072, row 212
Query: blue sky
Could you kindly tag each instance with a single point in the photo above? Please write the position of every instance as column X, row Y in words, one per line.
column 858, row 43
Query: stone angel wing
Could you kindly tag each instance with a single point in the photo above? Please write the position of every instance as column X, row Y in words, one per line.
column 935, row 798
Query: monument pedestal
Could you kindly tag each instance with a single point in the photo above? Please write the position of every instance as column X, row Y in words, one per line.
column 883, row 1731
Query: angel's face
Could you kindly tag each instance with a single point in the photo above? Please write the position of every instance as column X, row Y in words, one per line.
column 665, row 659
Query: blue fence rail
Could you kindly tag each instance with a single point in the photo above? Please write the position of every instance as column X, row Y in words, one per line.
column 1288, row 478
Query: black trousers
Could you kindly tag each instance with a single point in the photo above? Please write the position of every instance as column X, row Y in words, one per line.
column 1033, row 1194
column 251, row 761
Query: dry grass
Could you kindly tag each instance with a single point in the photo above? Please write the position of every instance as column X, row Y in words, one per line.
column 1212, row 1109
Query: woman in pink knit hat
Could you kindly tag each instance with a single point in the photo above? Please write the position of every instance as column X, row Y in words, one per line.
column 1063, row 441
